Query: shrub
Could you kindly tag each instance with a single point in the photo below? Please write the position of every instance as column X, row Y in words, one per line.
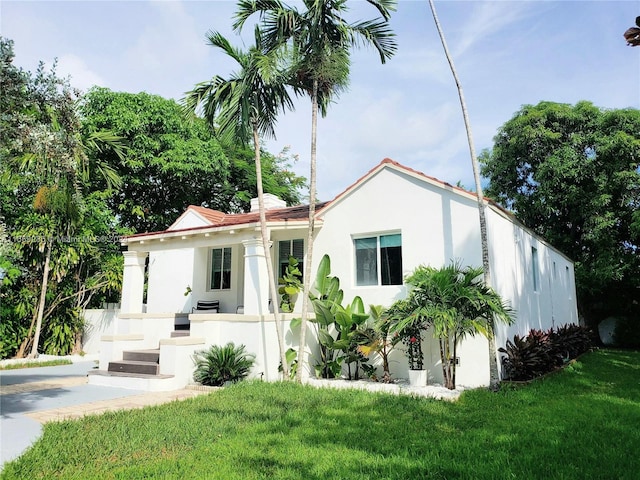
column 221, row 364
column 627, row 332
column 542, row 351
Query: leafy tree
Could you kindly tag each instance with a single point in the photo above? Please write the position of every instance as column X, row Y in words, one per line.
column 242, row 108
column 45, row 169
column 173, row 163
column 456, row 303
column 571, row 172
column 320, row 39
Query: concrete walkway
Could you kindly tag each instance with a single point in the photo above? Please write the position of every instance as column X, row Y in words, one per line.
column 30, row 397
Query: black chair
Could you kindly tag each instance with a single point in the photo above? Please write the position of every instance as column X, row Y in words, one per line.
column 211, row 306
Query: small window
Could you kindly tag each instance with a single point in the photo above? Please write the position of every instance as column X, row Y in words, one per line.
column 534, row 268
column 379, row 260
column 220, row 269
column 290, row 248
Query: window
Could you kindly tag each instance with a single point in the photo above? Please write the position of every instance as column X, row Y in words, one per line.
column 293, row 248
column 379, row 260
column 534, row 268
column 220, row 269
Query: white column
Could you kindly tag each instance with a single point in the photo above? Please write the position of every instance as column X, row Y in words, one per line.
column 133, row 282
column 256, row 280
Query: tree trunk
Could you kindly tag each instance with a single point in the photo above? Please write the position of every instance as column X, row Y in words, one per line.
column 453, row 364
column 43, row 297
column 493, row 354
column 267, row 254
column 308, row 258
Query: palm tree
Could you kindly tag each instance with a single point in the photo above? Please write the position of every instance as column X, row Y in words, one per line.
column 319, row 40
column 243, row 107
column 456, row 303
column 632, row 35
column 493, row 353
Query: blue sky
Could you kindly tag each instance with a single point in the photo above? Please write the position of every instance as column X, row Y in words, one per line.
column 507, row 53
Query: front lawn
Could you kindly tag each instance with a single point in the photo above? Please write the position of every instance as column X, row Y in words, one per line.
column 580, row 423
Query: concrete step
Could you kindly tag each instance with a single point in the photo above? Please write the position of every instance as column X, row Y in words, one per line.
column 152, row 355
column 180, row 333
column 134, row 381
column 133, row 366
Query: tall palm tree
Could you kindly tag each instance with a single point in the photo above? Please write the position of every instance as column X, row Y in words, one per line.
column 493, row 353
column 242, row 108
column 319, row 39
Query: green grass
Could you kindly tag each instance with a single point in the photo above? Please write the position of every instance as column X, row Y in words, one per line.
column 581, row 423
column 32, row 364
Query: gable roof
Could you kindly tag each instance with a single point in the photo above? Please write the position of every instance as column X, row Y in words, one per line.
column 300, row 213
column 215, row 218
column 387, row 163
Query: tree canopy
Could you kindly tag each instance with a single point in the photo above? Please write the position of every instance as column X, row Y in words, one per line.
column 77, row 172
column 173, row 163
column 572, row 174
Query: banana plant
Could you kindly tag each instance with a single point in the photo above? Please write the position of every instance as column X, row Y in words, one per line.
column 349, row 323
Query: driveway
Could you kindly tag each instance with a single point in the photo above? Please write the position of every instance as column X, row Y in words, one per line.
column 27, row 392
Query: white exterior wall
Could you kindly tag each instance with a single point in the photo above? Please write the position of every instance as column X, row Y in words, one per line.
column 98, row 322
column 170, row 272
column 553, row 302
column 437, row 226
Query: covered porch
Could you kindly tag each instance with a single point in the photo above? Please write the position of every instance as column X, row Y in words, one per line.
column 167, row 273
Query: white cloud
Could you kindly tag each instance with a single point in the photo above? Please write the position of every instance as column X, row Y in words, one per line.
column 169, row 41
column 82, row 76
column 488, row 18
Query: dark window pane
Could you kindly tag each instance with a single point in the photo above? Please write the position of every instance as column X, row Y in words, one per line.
column 391, row 259
column 220, row 268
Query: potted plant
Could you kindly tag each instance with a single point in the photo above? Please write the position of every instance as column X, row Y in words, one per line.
column 408, row 325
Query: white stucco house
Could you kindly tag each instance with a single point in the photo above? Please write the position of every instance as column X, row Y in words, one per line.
column 378, row 230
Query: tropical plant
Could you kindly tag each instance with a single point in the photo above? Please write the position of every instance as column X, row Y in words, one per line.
column 408, row 322
column 290, row 285
column 319, row 38
column 379, row 340
column 540, row 352
column 325, row 296
column 456, row 303
column 241, row 108
column 221, row 364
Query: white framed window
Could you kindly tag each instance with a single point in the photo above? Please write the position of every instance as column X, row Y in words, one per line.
column 220, row 269
column 293, row 248
column 378, row 260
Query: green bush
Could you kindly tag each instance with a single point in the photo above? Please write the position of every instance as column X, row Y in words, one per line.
column 627, row 332
column 221, row 364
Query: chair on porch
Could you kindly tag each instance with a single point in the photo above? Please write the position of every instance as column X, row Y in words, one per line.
column 211, row 306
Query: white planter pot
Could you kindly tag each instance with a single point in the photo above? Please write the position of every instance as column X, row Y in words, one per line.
column 417, row 378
